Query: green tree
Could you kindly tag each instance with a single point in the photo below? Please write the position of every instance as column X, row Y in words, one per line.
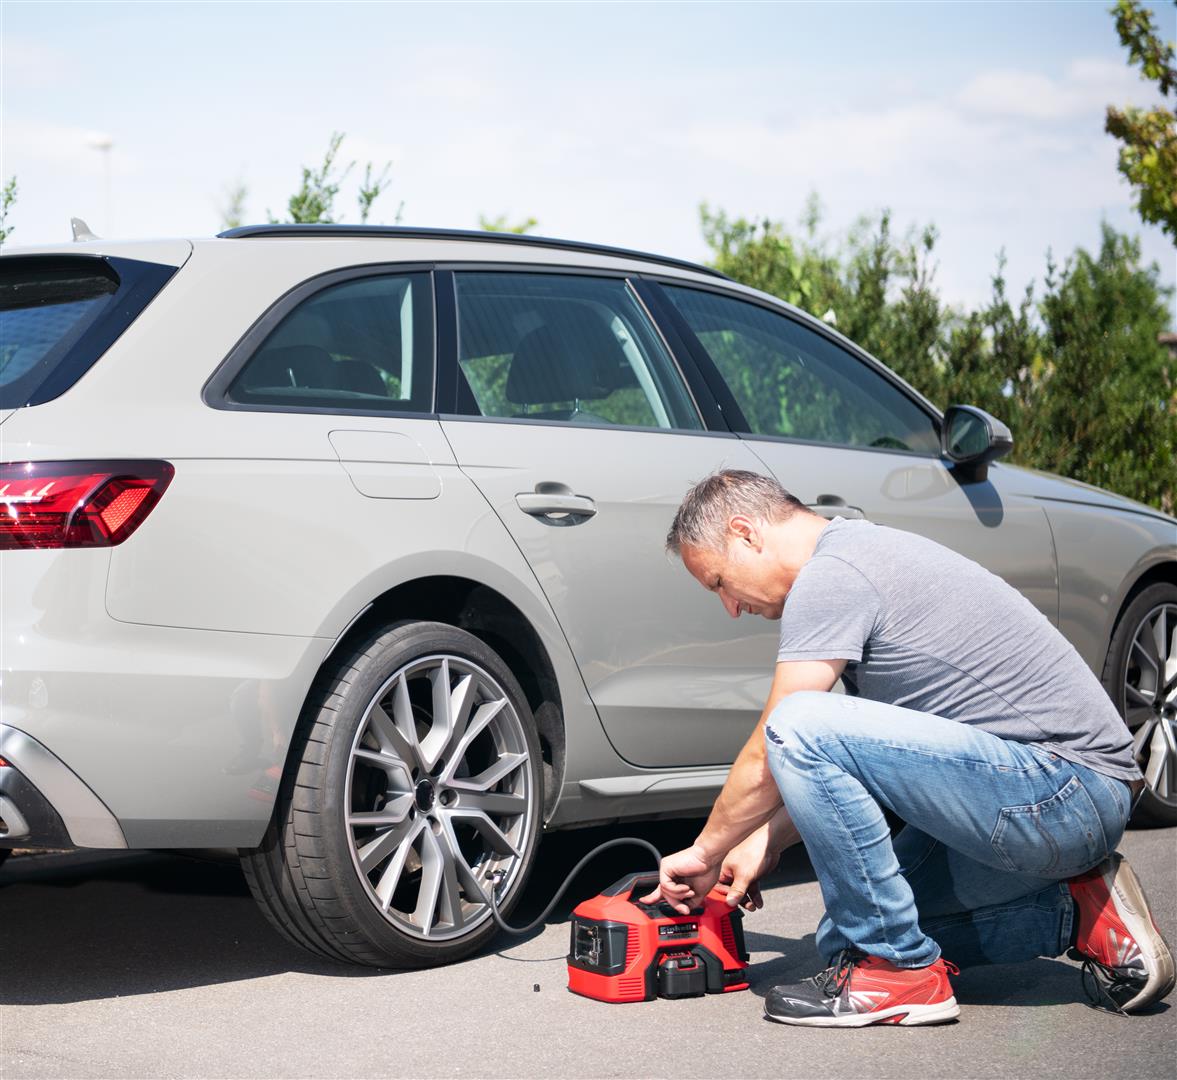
column 314, row 201
column 1079, row 375
column 7, row 201
column 1148, row 137
column 1107, row 401
column 501, row 225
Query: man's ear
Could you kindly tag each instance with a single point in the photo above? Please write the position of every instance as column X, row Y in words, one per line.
column 743, row 530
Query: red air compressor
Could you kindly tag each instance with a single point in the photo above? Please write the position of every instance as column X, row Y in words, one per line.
column 623, row 950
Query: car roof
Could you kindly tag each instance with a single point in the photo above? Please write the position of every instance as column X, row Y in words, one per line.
column 405, row 232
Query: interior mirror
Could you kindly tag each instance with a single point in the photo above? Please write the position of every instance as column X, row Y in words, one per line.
column 970, row 439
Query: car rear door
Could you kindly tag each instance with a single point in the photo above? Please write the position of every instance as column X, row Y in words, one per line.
column 574, row 420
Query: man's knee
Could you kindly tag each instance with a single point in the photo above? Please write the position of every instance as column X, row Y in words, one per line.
column 796, row 721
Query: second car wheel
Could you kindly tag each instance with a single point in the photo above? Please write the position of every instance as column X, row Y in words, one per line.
column 1141, row 677
column 413, row 790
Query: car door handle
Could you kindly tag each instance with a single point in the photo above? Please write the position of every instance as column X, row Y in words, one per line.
column 556, row 508
column 832, row 506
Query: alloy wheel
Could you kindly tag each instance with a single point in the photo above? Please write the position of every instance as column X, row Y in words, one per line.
column 1150, row 699
column 438, row 793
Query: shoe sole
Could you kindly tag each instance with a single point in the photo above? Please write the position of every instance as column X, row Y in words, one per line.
column 899, row 1015
column 1132, row 907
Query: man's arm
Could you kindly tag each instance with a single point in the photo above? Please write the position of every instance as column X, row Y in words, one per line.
column 751, row 859
column 748, row 799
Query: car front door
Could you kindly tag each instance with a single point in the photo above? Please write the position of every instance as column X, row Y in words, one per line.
column 579, row 429
column 845, row 437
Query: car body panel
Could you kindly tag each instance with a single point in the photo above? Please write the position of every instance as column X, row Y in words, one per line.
column 675, row 680
column 1004, row 532
column 1102, row 553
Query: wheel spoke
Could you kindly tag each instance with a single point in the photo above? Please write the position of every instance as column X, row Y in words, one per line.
column 432, row 872
column 1159, row 764
column 486, row 712
column 461, row 704
column 1145, row 647
column 451, row 713
column 1168, row 739
column 391, row 876
column 1169, row 651
column 404, row 720
column 376, row 850
column 466, row 876
column 491, row 775
column 1134, row 695
column 438, row 737
column 393, row 813
column 392, row 766
column 492, row 802
column 391, row 739
column 1143, row 735
column 1159, row 644
column 451, row 892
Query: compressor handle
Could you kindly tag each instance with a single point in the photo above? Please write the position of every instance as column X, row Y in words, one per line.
column 643, row 881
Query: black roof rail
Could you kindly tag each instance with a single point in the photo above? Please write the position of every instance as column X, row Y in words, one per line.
column 408, row 232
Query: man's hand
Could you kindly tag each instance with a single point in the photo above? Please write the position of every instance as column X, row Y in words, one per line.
column 744, row 866
column 684, row 879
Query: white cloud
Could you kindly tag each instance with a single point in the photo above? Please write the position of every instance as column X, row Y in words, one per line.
column 1085, row 89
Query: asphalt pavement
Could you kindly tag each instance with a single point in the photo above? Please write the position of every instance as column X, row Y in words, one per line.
column 155, row 965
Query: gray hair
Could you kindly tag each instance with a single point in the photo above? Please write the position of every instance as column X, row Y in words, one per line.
column 707, row 508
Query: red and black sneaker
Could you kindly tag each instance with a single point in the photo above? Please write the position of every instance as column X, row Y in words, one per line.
column 1126, row 963
column 861, row 990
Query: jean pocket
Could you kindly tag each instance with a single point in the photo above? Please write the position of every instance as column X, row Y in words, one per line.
column 1058, row 837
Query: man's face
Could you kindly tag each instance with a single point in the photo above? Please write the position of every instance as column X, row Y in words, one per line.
column 744, row 577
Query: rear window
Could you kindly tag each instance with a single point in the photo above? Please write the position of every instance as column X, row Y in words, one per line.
column 58, row 315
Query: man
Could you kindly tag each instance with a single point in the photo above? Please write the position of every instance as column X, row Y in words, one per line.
column 966, row 714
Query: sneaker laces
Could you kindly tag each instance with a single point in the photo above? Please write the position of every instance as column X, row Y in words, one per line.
column 832, row 981
column 1099, row 981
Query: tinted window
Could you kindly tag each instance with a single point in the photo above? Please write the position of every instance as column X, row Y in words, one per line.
column 558, row 347
column 790, row 380
column 365, row 345
column 44, row 310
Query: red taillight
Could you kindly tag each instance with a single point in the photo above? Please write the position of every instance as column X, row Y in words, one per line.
column 68, row 504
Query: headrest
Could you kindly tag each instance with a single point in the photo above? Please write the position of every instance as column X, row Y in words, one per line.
column 574, row 357
column 291, row 365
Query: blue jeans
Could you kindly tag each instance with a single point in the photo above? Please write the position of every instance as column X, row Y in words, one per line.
column 994, row 829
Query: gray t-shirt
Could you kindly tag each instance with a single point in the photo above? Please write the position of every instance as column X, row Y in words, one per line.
column 928, row 629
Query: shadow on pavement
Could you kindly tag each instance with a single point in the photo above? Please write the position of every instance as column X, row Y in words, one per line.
column 90, row 925
column 93, row 925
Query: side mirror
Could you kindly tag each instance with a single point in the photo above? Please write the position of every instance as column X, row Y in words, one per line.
column 970, row 439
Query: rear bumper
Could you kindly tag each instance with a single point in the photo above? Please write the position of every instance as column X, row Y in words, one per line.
column 43, row 803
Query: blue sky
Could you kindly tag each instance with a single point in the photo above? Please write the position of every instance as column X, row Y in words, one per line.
column 606, row 121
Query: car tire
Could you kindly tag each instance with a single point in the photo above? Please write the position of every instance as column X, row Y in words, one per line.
column 1144, row 643
column 412, row 789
